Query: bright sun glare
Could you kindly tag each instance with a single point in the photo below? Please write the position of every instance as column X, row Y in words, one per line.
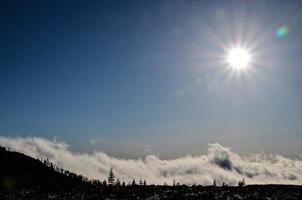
column 238, row 58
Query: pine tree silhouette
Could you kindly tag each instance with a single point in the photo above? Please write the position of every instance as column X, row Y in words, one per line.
column 241, row 183
column 104, row 183
column 111, row 177
column 214, row 183
column 118, row 183
column 133, row 182
column 224, row 184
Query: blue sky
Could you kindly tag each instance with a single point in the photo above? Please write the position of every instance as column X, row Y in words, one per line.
column 132, row 77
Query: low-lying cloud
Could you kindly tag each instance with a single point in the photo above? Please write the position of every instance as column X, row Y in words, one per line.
column 220, row 163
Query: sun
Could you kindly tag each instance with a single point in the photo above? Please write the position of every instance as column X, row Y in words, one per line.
column 238, row 58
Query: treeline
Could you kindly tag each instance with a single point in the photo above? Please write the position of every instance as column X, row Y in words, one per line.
column 112, row 180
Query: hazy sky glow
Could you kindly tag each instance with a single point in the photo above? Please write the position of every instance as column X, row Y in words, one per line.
column 132, row 78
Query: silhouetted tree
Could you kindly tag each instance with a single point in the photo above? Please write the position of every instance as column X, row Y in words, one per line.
column 123, row 184
column 140, row 182
column 104, row 183
column 133, row 182
column 241, row 183
column 118, row 183
column 145, row 183
column 214, row 183
column 224, row 184
column 111, row 177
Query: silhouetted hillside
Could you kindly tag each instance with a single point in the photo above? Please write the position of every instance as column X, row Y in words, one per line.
column 18, row 171
column 25, row 178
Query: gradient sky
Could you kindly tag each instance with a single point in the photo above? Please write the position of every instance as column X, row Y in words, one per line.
column 138, row 77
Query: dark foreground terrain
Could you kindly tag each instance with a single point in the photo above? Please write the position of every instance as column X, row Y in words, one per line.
column 161, row 192
column 22, row 177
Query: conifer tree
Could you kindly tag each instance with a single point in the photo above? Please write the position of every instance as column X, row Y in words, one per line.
column 118, row 183
column 104, row 183
column 214, row 183
column 133, row 182
column 241, row 183
column 111, row 177
column 224, row 184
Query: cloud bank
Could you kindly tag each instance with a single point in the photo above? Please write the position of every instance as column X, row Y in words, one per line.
column 220, row 163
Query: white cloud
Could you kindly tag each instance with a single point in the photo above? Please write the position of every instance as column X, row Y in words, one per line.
column 220, row 163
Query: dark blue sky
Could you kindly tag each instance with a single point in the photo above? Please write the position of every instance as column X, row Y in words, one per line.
column 129, row 77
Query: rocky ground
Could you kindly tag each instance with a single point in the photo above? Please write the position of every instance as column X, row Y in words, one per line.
column 265, row 192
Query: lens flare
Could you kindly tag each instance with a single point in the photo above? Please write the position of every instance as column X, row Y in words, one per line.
column 282, row 31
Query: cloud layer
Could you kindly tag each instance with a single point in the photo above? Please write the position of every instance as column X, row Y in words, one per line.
column 219, row 163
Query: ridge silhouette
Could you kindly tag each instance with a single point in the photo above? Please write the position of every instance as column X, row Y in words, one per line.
column 23, row 177
column 20, row 171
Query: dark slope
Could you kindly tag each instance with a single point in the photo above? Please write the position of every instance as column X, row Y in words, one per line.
column 25, row 178
column 18, row 171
